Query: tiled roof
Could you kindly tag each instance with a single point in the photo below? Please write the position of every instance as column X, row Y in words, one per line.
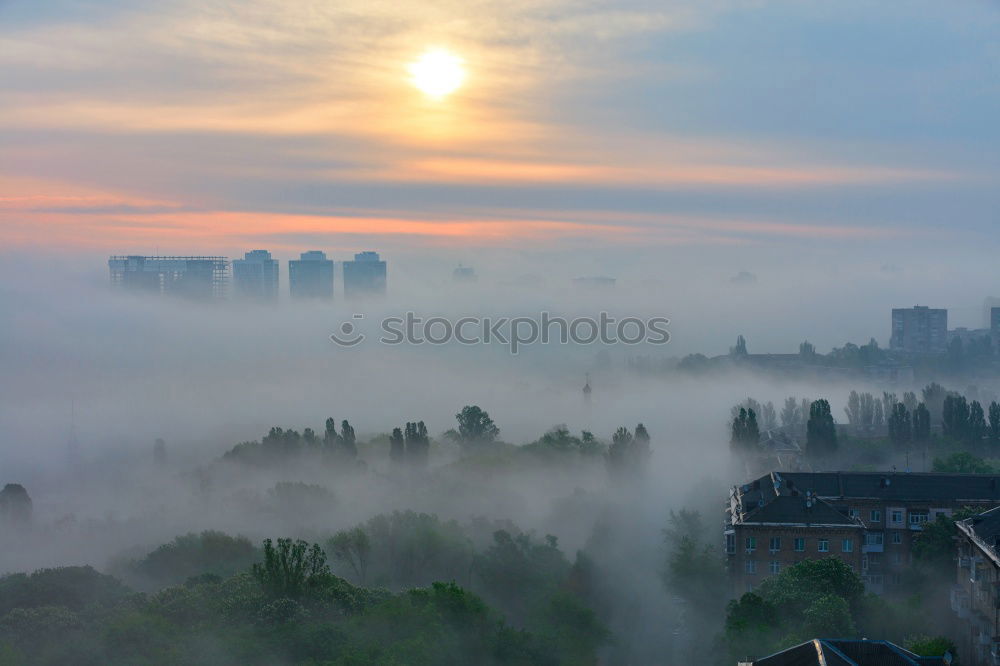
column 843, row 652
column 887, row 486
column 798, row 510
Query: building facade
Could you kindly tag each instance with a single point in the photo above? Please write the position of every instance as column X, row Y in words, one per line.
column 311, row 276
column 880, row 512
column 365, row 276
column 255, row 277
column 919, row 330
column 975, row 599
column 198, row 277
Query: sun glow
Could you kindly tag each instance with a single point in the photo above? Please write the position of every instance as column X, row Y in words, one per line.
column 437, row 73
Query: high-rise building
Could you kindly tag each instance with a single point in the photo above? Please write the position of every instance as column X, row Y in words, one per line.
column 311, row 276
column 919, row 329
column 464, row 274
column 255, row 277
column 988, row 305
column 191, row 277
column 365, row 276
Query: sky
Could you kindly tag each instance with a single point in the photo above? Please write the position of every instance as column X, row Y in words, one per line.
column 214, row 126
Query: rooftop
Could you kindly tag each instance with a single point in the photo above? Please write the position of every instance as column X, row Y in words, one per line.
column 847, row 652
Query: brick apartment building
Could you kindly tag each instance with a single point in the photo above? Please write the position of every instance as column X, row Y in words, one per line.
column 976, row 595
column 867, row 519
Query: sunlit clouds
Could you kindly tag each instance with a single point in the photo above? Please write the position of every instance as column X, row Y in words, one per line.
column 302, row 116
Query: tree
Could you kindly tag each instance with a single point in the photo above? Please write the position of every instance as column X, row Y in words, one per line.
column 330, row 437
column 745, row 435
column 962, row 462
column 159, row 451
column 641, row 448
column 934, row 545
column 934, row 395
column 926, row 646
column 475, row 426
column 790, row 413
column 888, row 402
column 290, row 569
column 620, row 452
column 910, row 400
column 955, row 417
column 900, row 430
column 417, row 443
column 352, row 546
column 695, row 568
column 994, row 430
column 921, row 423
column 768, row 416
column 821, row 432
column 15, row 505
column 807, row 350
column 977, row 423
column 348, row 439
column 397, row 450
column 741, row 347
column 853, row 409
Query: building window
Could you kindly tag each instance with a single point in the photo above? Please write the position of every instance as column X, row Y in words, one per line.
column 775, row 566
column 875, row 516
column 847, row 545
column 895, row 558
column 918, row 517
column 897, row 537
column 751, row 544
column 731, row 544
column 823, row 546
column 874, row 538
column 896, row 516
column 751, row 566
column 775, row 544
column 854, row 513
column 800, row 545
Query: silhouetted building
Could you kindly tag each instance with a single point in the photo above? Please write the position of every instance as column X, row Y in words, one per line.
column 464, row 274
column 975, row 597
column 919, row 329
column 193, row 277
column 846, row 652
column 594, row 282
column 255, row 277
column 995, row 322
column 311, row 276
column 365, row 276
column 988, row 306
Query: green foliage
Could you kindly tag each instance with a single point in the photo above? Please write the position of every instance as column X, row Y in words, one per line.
column 253, row 620
column 475, row 426
column 70, row 587
column 814, row 597
column 194, row 554
column 290, row 569
column 927, row 646
column 934, row 545
column 921, row 423
column 745, row 433
column 963, row 462
column 900, row 429
column 629, row 454
column 559, row 441
column 821, row 433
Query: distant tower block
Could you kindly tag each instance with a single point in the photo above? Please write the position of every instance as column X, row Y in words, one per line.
column 365, row 276
column 587, row 390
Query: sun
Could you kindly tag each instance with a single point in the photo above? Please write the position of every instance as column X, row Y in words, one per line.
column 437, row 73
